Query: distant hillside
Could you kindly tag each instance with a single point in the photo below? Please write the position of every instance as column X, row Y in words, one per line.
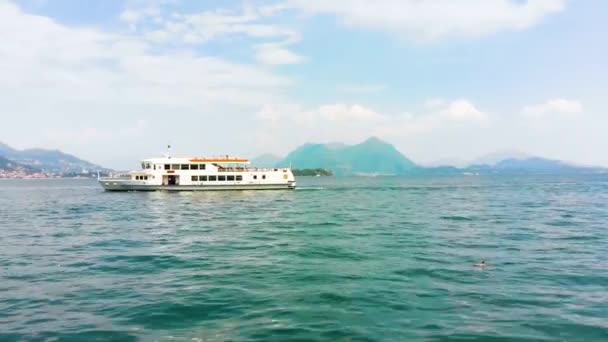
column 494, row 158
column 376, row 157
column 53, row 161
column 312, row 172
column 533, row 165
column 9, row 165
column 5, row 149
column 266, row 160
column 372, row 156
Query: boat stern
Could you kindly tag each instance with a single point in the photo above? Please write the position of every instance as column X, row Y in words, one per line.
column 114, row 184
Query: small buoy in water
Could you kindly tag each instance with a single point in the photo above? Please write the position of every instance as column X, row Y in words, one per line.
column 480, row 264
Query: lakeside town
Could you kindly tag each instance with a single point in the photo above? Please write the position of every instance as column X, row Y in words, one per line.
column 22, row 174
column 38, row 163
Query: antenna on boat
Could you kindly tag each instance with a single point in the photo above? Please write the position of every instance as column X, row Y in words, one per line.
column 168, row 153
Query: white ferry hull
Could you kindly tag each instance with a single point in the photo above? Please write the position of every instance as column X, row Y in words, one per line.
column 200, row 174
column 118, row 185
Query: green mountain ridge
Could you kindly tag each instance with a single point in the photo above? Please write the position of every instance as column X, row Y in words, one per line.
column 376, row 157
column 372, row 156
column 53, row 161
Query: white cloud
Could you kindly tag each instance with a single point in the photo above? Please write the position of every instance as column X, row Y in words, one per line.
column 202, row 27
column 275, row 54
column 353, row 122
column 348, row 113
column 553, row 107
column 463, row 110
column 270, row 42
column 288, row 125
column 90, row 80
column 64, row 61
column 132, row 16
column 337, row 113
column 430, row 20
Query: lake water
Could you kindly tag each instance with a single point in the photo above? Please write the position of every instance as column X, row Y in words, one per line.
column 339, row 259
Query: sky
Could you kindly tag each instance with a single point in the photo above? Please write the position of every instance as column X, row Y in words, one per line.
column 114, row 82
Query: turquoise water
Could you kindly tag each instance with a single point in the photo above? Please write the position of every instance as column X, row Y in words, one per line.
column 339, row 259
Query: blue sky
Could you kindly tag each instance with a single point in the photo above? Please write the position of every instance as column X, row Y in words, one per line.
column 115, row 81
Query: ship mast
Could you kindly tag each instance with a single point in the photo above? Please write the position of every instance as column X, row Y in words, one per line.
column 168, row 153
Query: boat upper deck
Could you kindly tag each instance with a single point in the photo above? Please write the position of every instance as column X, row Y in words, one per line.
column 182, row 160
column 221, row 164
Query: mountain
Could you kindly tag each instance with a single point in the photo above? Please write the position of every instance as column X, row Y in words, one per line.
column 533, row 165
column 53, row 161
column 266, row 160
column 541, row 165
column 376, row 157
column 448, row 162
column 372, row 156
column 496, row 157
column 9, row 165
column 5, row 149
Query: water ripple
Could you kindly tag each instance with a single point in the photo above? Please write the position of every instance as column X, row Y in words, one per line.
column 357, row 259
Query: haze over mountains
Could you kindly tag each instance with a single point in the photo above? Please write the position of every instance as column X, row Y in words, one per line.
column 371, row 157
column 376, row 157
column 44, row 160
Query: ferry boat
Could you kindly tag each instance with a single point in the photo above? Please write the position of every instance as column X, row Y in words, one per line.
column 199, row 174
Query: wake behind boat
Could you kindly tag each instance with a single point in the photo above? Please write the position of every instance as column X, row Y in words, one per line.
column 199, row 174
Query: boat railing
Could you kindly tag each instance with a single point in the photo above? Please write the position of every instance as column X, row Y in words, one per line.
column 249, row 169
column 117, row 176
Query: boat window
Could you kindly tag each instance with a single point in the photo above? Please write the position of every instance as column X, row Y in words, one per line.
column 212, row 178
column 255, row 176
column 195, row 178
column 193, row 166
column 145, row 177
column 263, row 176
column 202, row 178
column 167, row 167
column 239, row 177
column 143, row 166
column 230, row 177
column 202, row 166
column 174, row 166
column 221, row 178
column 185, row 167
